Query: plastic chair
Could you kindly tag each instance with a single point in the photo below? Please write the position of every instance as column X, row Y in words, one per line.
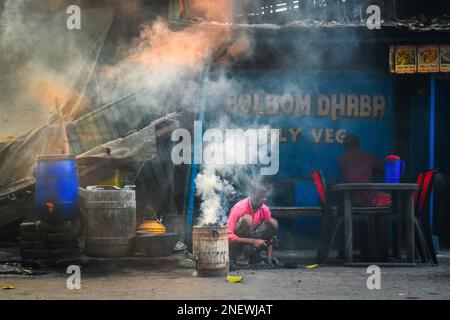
column 327, row 219
column 422, row 219
column 425, row 247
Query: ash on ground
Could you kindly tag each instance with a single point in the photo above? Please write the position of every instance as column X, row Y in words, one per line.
column 14, row 269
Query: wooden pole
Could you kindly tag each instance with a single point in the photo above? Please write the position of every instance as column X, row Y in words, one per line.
column 63, row 127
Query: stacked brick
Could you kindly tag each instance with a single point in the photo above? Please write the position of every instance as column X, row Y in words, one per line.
column 43, row 241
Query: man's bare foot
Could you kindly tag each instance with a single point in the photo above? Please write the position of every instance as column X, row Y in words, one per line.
column 273, row 262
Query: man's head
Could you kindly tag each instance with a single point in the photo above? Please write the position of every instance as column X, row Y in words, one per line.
column 351, row 141
column 258, row 195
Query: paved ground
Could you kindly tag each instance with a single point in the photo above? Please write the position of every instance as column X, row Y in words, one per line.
column 178, row 282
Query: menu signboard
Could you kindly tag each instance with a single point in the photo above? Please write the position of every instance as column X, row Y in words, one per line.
column 405, row 59
column 428, row 59
column 445, row 58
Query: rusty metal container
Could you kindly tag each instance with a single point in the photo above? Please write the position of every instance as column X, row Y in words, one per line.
column 210, row 248
column 109, row 221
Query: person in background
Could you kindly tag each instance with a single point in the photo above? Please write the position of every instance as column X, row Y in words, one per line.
column 359, row 166
column 251, row 229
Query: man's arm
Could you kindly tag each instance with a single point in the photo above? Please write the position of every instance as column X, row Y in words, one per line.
column 233, row 237
column 269, row 244
column 254, row 242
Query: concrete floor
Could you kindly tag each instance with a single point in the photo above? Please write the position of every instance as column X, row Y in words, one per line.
column 178, row 282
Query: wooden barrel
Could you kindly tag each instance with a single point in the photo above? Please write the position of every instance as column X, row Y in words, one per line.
column 109, row 221
column 210, row 248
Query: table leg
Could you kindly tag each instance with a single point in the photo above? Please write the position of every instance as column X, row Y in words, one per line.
column 384, row 243
column 396, row 224
column 409, row 223
column 348, row 227
column 372, row 238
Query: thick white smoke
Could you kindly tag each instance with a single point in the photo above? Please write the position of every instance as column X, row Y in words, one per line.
column 212, row 189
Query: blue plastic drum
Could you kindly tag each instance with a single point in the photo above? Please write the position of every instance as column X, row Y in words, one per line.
column 56, row 187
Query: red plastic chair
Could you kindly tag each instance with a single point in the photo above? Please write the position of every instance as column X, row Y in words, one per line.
column 422, row 219
column 327, row 219
column 419, row 182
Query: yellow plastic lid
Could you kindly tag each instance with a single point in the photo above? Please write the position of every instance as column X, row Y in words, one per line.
column 152, row 226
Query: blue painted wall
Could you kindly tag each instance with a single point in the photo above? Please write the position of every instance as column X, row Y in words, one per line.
column 298, row 158
column 293, row 184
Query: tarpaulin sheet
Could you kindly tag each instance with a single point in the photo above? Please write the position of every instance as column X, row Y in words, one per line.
column 138, row 147
column 17, row 157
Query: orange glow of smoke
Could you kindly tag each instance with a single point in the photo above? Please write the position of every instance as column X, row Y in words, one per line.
column 236, row 49
column 159, row 47
column 212, row 10
column 45, row 87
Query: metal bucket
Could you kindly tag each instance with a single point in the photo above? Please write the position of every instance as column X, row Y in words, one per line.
column 109, row 218
column 210, row 248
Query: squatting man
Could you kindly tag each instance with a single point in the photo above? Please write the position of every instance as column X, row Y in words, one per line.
column 251, row 228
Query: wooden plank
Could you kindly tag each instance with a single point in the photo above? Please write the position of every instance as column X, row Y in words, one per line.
column 295, row 212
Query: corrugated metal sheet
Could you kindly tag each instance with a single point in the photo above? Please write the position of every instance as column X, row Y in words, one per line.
column 276, row 14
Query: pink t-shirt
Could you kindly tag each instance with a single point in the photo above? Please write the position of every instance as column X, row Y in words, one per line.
column 242, row 208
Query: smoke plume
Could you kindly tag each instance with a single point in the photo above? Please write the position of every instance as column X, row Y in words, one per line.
column 45, row 61
column 212, row 190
